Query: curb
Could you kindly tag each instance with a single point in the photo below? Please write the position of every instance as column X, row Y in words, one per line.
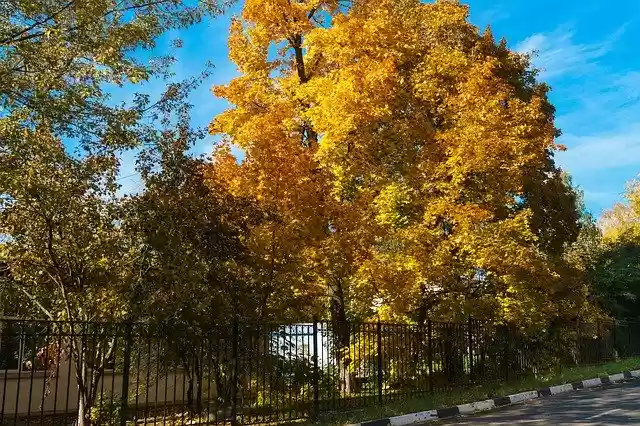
column 501, row 401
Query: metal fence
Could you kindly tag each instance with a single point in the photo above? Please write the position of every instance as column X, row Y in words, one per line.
column 59, row 373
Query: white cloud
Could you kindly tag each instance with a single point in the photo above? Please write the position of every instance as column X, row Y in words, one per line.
column 602, row 163
column 598, row 109
column 558, row 54
column 600, row 152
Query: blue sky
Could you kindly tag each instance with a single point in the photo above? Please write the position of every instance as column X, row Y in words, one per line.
column 589, row 54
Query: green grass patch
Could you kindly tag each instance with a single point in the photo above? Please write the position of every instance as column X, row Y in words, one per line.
column 427, row 402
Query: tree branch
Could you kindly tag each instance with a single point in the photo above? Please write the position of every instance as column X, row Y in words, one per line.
column 77, row 27
column 34, row 300
column 10, row 39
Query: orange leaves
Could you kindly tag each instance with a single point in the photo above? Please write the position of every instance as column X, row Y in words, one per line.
column 395, row 145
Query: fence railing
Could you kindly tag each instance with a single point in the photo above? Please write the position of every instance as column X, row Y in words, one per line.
column 117, row 374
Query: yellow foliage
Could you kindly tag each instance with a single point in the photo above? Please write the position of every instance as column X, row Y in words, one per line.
column 394, row 146
column 622, row 222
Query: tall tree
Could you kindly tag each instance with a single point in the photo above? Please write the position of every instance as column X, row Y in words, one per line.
column 64, row 251
column 615, row 272
column 64, row 247
column 423, row 146
column 448, row 137
column 406, row 156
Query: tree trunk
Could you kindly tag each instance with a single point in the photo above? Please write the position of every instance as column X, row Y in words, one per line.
column 84, row 413
column 79, row 354
column 88, row 376
column 198, row 378
column 86, row 395
column 341, row 337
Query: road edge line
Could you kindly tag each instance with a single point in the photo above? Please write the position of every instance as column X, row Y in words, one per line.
column 498, row 402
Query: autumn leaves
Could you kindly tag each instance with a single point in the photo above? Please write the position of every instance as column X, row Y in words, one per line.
column 402, row 152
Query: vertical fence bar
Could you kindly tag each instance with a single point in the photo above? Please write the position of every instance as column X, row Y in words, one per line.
column 165, row 372
column 21, row 349
column 470, row 330
column 316, row 372
column 58, row 360
column 113, row 374
column 234, row 376
column 174, row 402
column 379, row 341
column 138, row 356
column 614, row 331
column 430, row 354
column 600, row 339
column 506, row 353
column 157, row 377
column 46, row 371
column 103, row 361
column 289, row 343
column 126, row 368
column 579, row 340
column 71, row 344
column 34, row 335
column 6, row 368
column 146, row 410
column 4, row 382
column 209, row 368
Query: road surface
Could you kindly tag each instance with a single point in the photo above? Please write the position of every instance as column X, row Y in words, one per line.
column 612, row 405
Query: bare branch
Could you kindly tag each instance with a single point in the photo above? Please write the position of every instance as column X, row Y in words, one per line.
column 34, row 300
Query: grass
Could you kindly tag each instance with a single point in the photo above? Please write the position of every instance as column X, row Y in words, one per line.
column 479, row 392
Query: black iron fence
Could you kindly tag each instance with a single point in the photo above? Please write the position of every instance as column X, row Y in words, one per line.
column 60, row 373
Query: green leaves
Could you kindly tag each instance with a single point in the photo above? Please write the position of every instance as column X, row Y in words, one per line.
column 615, row 267
column 64, row 248
column 57, row 56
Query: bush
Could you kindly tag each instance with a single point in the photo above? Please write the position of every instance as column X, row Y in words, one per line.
column 107, row 410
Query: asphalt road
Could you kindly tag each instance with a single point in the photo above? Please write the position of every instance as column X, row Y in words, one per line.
column 609, row 406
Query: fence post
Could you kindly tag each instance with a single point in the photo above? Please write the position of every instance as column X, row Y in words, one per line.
column 579, row 340
column 430, row 355
column 471, row 349
column 614, row 328
column 600, row 339
column 507, row 358
column 126, row 368
column 316, row 373
column 379, row 335
column 234, row 381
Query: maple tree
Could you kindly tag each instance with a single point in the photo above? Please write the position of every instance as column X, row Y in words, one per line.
column 408, row 155
column 450, row 135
